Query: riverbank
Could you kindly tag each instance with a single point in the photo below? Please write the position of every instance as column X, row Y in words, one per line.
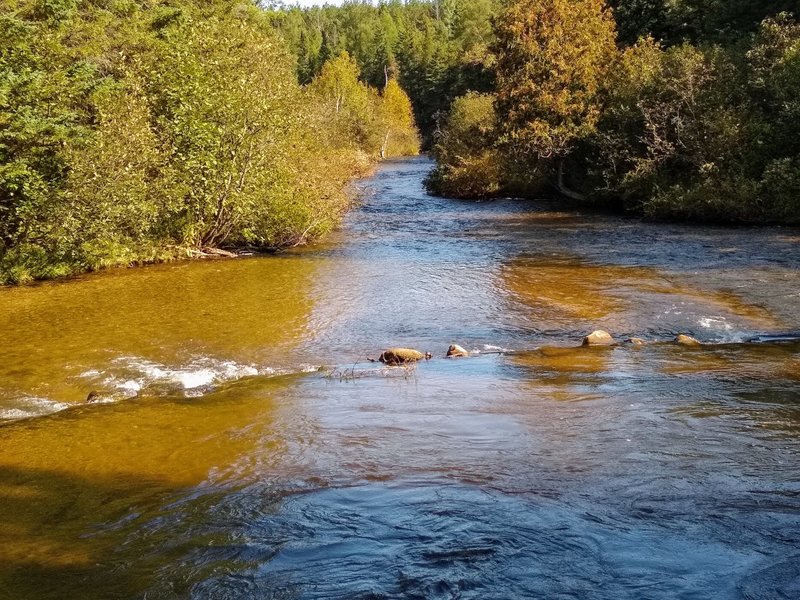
column 131, row 138
column 696, row 131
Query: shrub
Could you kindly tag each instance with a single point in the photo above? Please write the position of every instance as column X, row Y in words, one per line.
column 468, row 162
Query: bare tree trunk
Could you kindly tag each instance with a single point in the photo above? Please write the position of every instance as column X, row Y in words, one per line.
column 385, row 144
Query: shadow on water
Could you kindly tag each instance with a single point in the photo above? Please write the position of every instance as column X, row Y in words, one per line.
column 419, row 540
column 52, row 542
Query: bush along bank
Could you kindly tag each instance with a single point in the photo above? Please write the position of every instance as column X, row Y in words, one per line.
column 143, row 131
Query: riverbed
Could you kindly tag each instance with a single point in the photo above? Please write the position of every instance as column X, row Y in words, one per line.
column 243, row 446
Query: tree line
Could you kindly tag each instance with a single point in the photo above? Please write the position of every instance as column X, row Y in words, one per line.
column 672, row 108
column 142, row 130
column 437, row 49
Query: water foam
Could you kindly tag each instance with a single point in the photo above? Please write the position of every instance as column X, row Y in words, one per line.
column 724, row 330
column 134, row 374
column 31, row 406
column 492, row 349
column 130, row 375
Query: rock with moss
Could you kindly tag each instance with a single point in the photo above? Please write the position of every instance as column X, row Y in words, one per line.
column 400, row 356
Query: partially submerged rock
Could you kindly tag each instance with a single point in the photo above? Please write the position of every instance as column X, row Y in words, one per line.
column 399, row 356
column 636, row 341
column 686, row 340
column 454, row 351
column 95, row 397
column 598, row 338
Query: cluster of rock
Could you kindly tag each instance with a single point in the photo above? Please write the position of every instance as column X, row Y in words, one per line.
column 603, row 338
column 401, row 356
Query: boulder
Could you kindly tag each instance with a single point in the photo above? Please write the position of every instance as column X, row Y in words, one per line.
column 598, row 338
column 686, row 340
column 399, row 356
column 454, row 351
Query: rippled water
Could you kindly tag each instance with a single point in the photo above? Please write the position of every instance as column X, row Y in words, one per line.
column 243, row 447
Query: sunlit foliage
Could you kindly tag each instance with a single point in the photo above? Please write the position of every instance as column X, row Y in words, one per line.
column 436, row 49
column 468, row 163
column 552, row 56
column 381, row 122
column 696, row 122
column 140, row 131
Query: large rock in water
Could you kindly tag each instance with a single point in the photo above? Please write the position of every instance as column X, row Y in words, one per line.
column 399, row 356
column 598, row 338
column 454, row 351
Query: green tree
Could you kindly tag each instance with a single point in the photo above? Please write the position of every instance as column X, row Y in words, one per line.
column 134, row 132
column 338, row 83
column 468, row 164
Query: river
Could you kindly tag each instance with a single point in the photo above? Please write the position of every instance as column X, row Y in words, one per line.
column 244, row 447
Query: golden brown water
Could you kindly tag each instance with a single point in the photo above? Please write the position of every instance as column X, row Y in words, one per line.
column 222, row 464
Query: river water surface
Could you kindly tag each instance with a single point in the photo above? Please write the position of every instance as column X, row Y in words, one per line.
column 244, row 447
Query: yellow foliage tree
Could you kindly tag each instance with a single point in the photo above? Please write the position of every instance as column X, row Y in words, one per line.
column 338, row 83
column 400, row 134
column 552, row 56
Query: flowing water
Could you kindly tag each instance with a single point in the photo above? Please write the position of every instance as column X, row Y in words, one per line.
column 243, row 447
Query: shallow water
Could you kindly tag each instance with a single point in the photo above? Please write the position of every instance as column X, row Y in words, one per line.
column 244, row 447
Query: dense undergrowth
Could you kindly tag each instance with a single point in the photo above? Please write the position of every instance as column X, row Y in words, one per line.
column 143, row 130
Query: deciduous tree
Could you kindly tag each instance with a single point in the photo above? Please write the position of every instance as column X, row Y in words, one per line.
column 552, row 56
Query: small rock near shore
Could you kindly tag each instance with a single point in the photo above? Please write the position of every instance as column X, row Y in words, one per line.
column 598, row 338
column 636, row 341
column 454, row 351
column 95, row 396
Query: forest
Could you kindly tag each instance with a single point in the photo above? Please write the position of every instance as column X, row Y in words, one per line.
column 680, row 110
column 145, row 130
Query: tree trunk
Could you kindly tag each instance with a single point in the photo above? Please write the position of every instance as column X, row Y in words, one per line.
column 563, row 189
column 385, row 144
